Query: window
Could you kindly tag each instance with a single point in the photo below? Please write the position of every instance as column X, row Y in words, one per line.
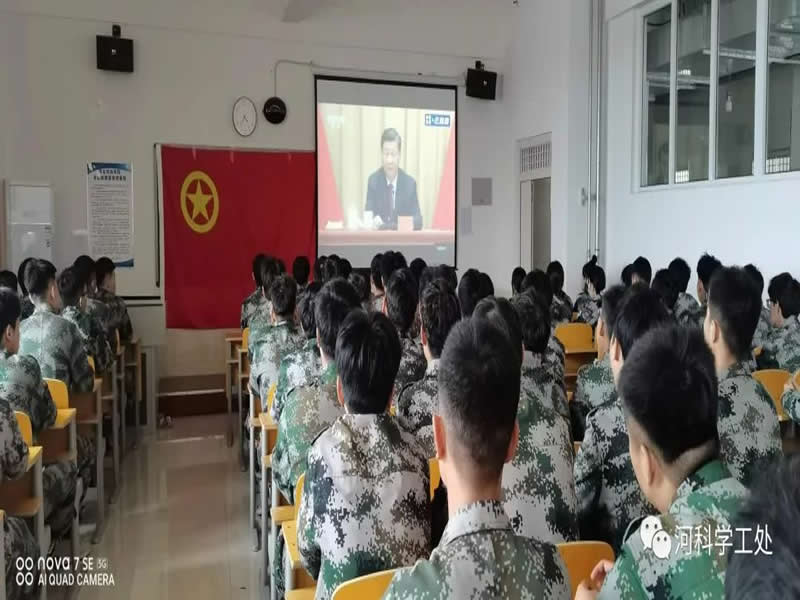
column 655, row 166
column 783, row 87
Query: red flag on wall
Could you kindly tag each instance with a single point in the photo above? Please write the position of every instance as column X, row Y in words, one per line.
column 221, row 208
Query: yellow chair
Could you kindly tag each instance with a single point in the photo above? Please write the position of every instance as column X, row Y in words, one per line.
column 581, row 558
column 59, row 393
column 775, row 380
column 433, row 465
column 575, row 336
column 366, row 587
column 91, row 364
column 25, row 428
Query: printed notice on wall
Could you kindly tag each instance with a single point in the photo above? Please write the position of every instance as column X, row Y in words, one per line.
column 109, row 188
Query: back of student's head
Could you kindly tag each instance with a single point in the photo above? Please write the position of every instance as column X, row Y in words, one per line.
column 597, row 277
column 664, row 285
column 258, row 261
column 301, row 269
column 681, row 274
column 612, row 299
column 283, row 295
column 401, row 299
column 417, row 266
column 330, row 269
column 587, row 266
column 439, row 311
column 757, row 278
column 640, row 311
column 555, row 271
column 534, row 320
column 479, row 384
column 375, row 271
column 8, row 279
column 21, row 276
column 706, row 267
column 487, row 287
column 772, row 506
column 642, row 270
column 776, row 285
column 360, row 284
column 517, row 276
column 537, row 282
column 345, row 268
column 70, row 286
column 469, row 291
column 333, row 303
column 317, row 269
column 391, row 262
column 626, row 276
column 305, row 308
column 85, row 265
column 269, row 271
column 10, row 309
column 789, row 299
column 502, row 315
column 103, row 268
column 668, row 387
column 281, row 266
column 734, row 303
column 39, row 274
column 367, row 359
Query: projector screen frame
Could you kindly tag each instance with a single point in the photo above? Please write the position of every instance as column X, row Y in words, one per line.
column 320, row 77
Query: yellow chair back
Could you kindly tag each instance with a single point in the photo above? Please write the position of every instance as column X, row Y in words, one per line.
column 298, row 494
column 581, row 558
column 758, row 351
column 271, row 396
column 575, row 336
column 433, row 465
column 25, row 428
column 774, row 380
column 367, row 587
column 245, row 338
column 59, row 392
column 91, row 364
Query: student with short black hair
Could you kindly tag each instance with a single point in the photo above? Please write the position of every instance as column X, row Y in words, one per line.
column 625, row 276
column 469, row 291
column 763, row 327
column 301, row 269
column 589, row 308
column 561, row 309
column 773, row 508
column 330, row 269
column 595, row 383
column 25, row 301
column 686, row 307
column 749, row 432
column 517, row 276
column 783, row 342
column 487, row 286
column 256, row 301
column 707, row 265
column 417, row 266
column 362, row 289
column 583, row 296
column 391, row 262
column 8, row 280
column 665, row 287
column 317, row 268
column 376, row 282
column 439, row 311
column 538, row 282
column 476, row 432
column 400, row 305
column 344, row 268
column 118, row 318
column 669, row 395
column 609, row 498
column 641, row 271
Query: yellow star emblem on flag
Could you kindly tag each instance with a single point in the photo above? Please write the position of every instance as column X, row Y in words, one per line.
column 200, row 191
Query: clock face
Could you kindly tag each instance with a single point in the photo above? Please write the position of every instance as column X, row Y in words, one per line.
column 245, row 116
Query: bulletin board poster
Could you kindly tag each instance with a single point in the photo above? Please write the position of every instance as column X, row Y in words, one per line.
column 109, row 188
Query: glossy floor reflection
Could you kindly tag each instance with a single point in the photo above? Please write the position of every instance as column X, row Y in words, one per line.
column 179, row 528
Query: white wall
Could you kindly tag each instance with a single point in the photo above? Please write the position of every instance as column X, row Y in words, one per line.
column 738, row 220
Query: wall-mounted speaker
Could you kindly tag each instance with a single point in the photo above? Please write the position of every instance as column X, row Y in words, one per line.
column 115, row 53
column 481, row 83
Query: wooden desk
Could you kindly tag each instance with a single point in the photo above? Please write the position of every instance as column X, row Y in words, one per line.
column 133, row 361
column 233, row 342
column 296, row 576
column 24, row 497
column 89, row 408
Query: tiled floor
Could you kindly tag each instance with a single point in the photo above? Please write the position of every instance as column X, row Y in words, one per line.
column 179, row 528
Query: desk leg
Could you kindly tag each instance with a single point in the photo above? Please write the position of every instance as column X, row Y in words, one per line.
column 138, row 388
column 229, row 398
column 100, row 477
column 264, row 523
column 115, row 396
column 75, row 537
column 38, row 520
column 252, row 479
column 123, row 405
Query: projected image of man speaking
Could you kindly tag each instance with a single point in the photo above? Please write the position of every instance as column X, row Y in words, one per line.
column 391, row 192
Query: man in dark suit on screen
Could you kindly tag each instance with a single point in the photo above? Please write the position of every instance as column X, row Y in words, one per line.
column 391, row 192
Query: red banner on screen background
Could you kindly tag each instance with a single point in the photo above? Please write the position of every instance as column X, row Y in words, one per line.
column 221, row 208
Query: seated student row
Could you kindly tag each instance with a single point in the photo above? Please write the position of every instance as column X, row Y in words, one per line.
column 561, row 508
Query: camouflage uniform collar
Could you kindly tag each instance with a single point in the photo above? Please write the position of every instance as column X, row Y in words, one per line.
column 42, row 308
column 329, row 374
column 739, row 369
column 711, row 472
column 532, row 360
column 367, row 421
column 285, row 323
column 5, row 354
column 433, row 368
column 478, row 517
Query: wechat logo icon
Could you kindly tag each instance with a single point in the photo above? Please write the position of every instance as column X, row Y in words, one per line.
column 655, row 538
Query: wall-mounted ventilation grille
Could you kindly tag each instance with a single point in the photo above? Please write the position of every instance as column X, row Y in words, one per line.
column 535, row 157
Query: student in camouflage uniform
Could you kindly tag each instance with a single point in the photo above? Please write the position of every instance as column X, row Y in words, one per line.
column 98, row 311
column 19, row 541
column 595, row 383
column 366, row 498
column 685, row 307
column 608, row 496
column 118, row 318
column 773, row 507
column 669, row 392
column 583, row 296
column 749, row 433
column 664, row 286
column 517, row 277
column 469, row 291
column 561, row 309
column 416, row 402
column 479, row 555
column 376, row 282
column 791, row 401
column 400, row 307
column 301, row 269
column 537, row 285
column 783, row 342
column 27, row 305
column 763, row 328
column 299, row 368
column 256, row 301
column 641, row 272
column 706, row 267
column 73, row 297
column 588, row 308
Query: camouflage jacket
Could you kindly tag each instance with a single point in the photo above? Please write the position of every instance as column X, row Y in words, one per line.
column 95, row 340
column 267, row 347
column 412, row 363
column 541, row 383
column 57, row 346
column 415, row 406
column 595, row 387
column 377, row 303
column 695, row 317
column 762, row 329
column 588, row 309
column 561, row 309
column 298, row 369
column 27, row 307
column 609, row 497
column 554, row 357
column 13, row 449
column 366, row 501
column 254, row 303
column 117, row 314
column 749, row 433
column 694, row 566
column 538, row 485
column 308, row 411
column 480, row 557
column 783, row 345
column 686, row 309
column 791, row 405
column 22, row 386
